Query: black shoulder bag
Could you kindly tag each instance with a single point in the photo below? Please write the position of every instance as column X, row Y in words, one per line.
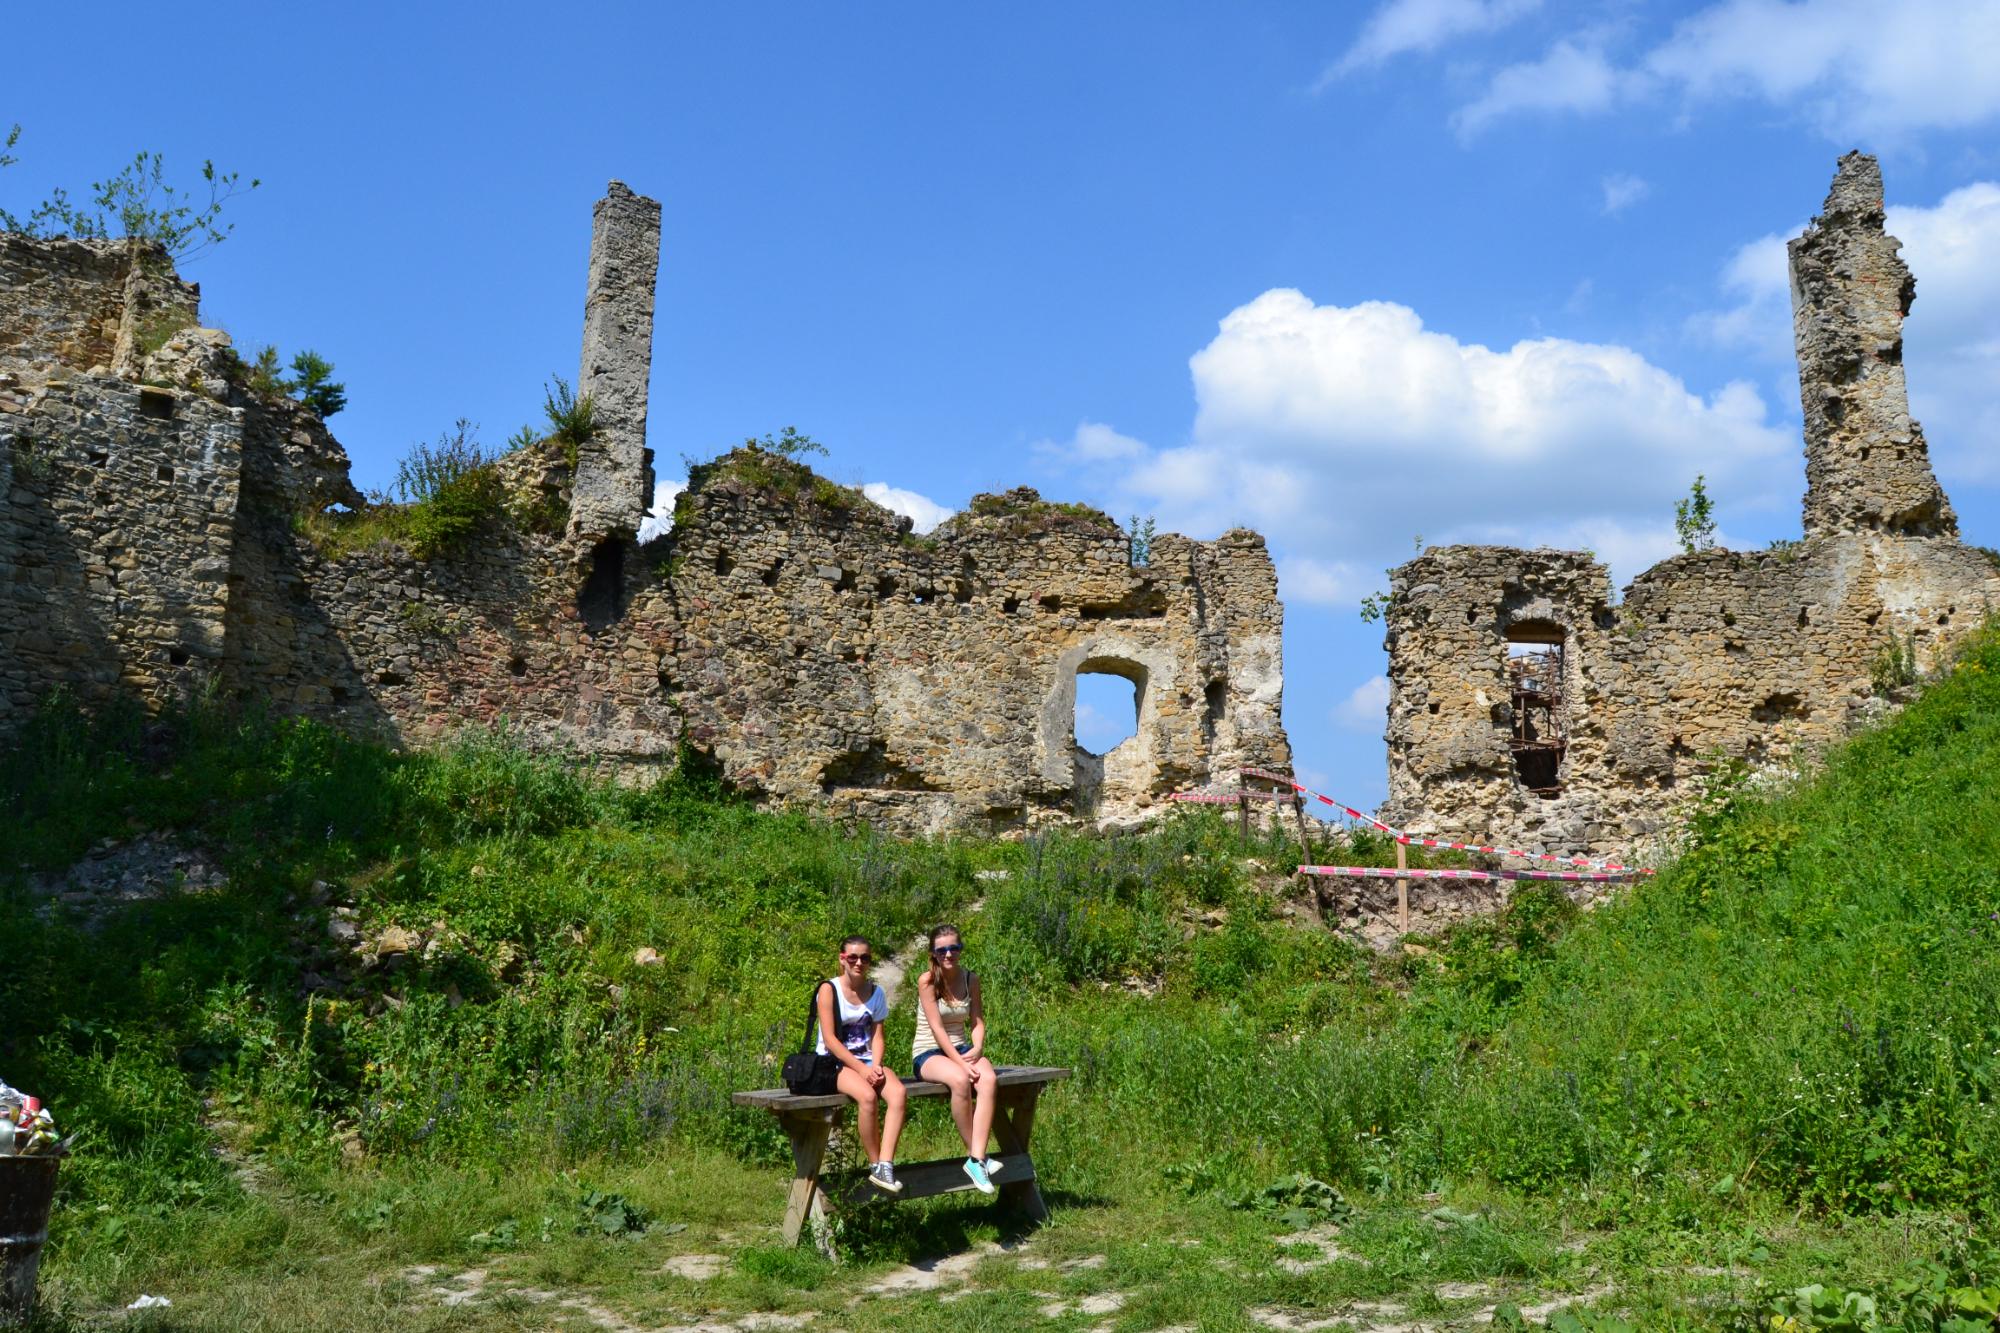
column 806, row 1072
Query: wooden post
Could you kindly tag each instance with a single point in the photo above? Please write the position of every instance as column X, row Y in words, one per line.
column 1014, row 1126
column 1242, row 814
column 808, row 1132
column 1402, row 890
column 1299, row 811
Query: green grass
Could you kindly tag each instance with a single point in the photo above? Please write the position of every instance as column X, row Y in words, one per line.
column 1024, row 512
column 773, row 468
column 1778, row 1061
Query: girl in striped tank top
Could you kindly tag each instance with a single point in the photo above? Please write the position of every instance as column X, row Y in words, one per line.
column 950, row 1049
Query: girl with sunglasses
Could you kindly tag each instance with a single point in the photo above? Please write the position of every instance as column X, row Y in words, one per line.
column 862, row 1008
column 950, row 1049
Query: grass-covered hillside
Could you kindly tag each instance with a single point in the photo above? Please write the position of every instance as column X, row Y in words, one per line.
column 398, row 1015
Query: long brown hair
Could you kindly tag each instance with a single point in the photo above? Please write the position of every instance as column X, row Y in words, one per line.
column 938, row 932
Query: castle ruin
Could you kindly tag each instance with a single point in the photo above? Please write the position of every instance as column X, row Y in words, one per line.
column 157, row 513
column 1529, row 706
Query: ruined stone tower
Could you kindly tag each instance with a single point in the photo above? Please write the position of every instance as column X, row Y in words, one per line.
column 614, row 474
column 1867, row 466
column 1529, row 706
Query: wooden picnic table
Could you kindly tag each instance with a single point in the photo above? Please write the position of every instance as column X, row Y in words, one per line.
column 809, row 1120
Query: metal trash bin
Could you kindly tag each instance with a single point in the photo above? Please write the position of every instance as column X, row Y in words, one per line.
column 27, row 1189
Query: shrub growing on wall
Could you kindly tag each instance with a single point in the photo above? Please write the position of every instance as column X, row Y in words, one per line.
column 451, row 487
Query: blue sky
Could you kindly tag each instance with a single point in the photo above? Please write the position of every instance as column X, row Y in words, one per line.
column 1350, row 274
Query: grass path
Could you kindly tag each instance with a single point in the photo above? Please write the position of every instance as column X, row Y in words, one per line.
column 393, row 1253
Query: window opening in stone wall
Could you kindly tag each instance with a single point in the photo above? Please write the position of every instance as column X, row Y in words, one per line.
column 1536, row 705
column 1107, row 711
column 602, row 599
column 1215, row 709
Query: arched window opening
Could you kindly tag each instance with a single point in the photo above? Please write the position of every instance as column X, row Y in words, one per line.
column 1535, row 688
column 1107, row 710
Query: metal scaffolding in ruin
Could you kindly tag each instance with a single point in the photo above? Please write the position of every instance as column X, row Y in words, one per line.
column 1535, row 698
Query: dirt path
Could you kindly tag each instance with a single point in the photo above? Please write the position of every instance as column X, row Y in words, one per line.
column 891, row 972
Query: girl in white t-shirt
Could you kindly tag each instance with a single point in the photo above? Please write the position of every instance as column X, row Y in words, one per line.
column 854, row 1008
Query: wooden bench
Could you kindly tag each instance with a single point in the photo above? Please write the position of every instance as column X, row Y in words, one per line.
column 809, row 1120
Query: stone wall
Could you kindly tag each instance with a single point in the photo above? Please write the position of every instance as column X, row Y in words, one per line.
column 88, row 305
column 1720, row 654
column 800, row 634
column 115, row 536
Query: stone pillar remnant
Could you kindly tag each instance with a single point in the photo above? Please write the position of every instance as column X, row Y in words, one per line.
column 1867, row 466
column 613, row 481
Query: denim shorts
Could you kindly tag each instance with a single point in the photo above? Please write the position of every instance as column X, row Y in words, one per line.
column 918, row 1067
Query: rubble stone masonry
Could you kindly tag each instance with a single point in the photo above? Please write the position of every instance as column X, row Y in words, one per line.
column 823, row 654
column 1720, row 654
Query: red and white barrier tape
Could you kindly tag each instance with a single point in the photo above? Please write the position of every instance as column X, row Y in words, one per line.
column 1390, row 872
column 1228, row 797
column 1413, row 841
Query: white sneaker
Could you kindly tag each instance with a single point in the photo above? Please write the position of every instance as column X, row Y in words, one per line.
column 994, row 1166
column 882, row 1176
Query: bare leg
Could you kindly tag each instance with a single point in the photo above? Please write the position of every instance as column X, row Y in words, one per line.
column 982, row 1109
column 865, row 1098
column 895, row 1103
column 963, row 1114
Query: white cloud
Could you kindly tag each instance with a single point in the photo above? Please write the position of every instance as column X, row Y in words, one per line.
column 1324, row 582
column 1852, row 68
column 1340, row 431
column 923, row 512
column 1402, row 26
column 660, row 518
column 1760, row 320
column 1951, row 342
column 1366, row 708
column 1571, row 77
column 1952, row 338
column 1093, row 442
column 1622, row 190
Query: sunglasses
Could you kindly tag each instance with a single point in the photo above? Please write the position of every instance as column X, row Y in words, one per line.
column 857, row 958
column 944, row 950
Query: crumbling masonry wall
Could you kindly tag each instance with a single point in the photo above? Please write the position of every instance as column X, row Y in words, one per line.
column 1755, row 656
column 150, row 544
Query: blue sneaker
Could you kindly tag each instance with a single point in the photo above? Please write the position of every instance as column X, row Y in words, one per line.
column 975, row 1171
